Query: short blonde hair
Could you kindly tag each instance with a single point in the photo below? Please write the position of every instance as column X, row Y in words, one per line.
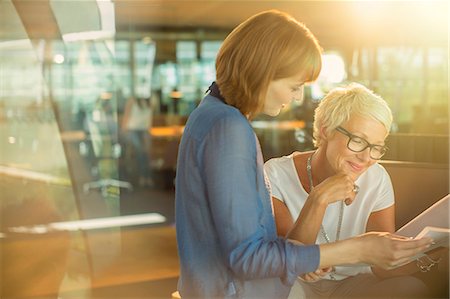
column 268, row 46
column 341, row 103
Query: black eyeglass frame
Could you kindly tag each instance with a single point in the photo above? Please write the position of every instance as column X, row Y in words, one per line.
column 382, row 149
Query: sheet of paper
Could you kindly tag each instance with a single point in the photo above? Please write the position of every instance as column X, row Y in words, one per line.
column 439, row 235
column 433, row 222
column 437, row 216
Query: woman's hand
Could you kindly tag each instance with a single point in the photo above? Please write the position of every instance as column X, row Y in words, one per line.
column 383, row 250
column 389, row 251
column 335, row 188
column 316, row 275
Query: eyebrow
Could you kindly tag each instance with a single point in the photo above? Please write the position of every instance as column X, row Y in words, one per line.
column 297, row 82
column 365, row 137
column 382, row 143
column 300, row 80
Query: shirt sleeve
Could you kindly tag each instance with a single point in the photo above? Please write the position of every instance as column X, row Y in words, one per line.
column 231, row 174
column 385, row 197
column 271, row 170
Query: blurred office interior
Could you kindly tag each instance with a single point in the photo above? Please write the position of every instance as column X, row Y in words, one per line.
column 76, row 221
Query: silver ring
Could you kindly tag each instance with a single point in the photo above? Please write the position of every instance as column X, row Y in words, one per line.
column 355, row 188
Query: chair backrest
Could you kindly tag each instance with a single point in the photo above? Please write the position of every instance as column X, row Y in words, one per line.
column 96, row 137
column 416, row 186
column 103, row 135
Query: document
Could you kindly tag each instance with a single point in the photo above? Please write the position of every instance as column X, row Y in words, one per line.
column 439, row 235
column 435, row 216
column 433, row 223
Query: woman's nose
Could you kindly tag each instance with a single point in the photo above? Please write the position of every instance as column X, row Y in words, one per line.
column 299, row 95
column 365, row 155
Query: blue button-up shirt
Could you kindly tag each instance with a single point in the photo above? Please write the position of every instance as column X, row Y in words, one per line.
column 226, row 234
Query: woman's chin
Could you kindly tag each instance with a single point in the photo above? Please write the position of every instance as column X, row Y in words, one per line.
column 356, row 174
column 272, row 112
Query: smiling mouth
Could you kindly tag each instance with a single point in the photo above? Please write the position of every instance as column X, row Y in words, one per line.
column 355, row 166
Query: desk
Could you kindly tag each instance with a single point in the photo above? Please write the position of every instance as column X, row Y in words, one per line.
column 165, row 141
column 177, row 130
column 72, row 136
column 279, row 125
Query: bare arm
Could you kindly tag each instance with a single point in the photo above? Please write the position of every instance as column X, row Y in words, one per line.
column 383, row 250
column 284, row 223
column 336, row 188
column 283, row 218
column 382, row 221
column 308, row 223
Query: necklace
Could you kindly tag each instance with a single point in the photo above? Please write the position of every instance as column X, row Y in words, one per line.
column 341, row 211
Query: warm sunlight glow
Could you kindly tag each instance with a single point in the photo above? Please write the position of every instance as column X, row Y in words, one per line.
column 333, row 69
column 88, row 224
column 58, row 58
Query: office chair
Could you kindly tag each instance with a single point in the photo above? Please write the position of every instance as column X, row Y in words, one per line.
column 106, row 150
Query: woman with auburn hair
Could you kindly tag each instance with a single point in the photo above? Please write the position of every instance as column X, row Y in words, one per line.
column 339, row 191
column 227, row 241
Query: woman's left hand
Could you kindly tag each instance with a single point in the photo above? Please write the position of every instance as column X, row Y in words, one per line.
column 316, row 275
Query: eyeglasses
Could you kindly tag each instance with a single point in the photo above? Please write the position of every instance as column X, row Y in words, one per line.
column 358, row 144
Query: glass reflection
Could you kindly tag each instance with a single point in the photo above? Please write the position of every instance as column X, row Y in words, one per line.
column 35, row 180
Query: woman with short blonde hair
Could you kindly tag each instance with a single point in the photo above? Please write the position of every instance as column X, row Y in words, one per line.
column 339, row 191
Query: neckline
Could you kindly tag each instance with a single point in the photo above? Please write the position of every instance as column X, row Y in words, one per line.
column 297, row 174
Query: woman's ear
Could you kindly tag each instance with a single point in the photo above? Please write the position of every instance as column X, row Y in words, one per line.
column 323, row 133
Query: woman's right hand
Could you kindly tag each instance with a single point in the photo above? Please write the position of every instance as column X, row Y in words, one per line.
column 335, row 188
column 316, row 275
column 389, row 251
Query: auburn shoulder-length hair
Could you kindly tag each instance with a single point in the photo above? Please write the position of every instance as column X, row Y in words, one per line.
column 268, row 46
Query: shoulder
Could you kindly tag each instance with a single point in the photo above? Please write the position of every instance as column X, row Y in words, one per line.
column 213, row 116
column 279, row 161
column 376, row 176
column 275, row 166
column 377, row 171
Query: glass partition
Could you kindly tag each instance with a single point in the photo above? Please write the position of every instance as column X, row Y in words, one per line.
column 61, row 148
column 38, row 258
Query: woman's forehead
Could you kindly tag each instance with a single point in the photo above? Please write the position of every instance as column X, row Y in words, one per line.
column 367, row 127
